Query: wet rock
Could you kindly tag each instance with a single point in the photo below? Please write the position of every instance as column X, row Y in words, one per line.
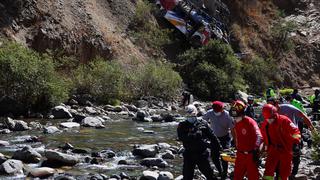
column 27, row 155
column 67, row 146
column 81, row 151
column 11, row 166
column 33, row 139
column 97, row 177
column 142, row 103
column 4, row 143
column 132, row 108
column 92, row 122
column 156, row 118
column 123, row 113
column 168, row 117
column 51, row 130
column 148, row 132
column 124, row 176
column 149, row 175
column 60, row 112
column 179, row 178
column 146, row 150
column 165, row 175
column 2, row 158
column 5, row 131
column 57, row 158
column 90, row 110
column 69, row 125
column 42, row 172
column 115, row 176
column 72, row 102
column 168, row 155
column 16, row 125
column 316, row 170
column 35, row 125
column 118, row 109
column 64, row 177
column 301, row 177
column 123, row 162
column 78, row 117
column 149, row 162
column 108, row 153
column 164, row 145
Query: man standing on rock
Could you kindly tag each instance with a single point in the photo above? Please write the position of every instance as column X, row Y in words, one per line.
column 221, row 123
column 281, row 137
column 248, row 141
column 196, row 137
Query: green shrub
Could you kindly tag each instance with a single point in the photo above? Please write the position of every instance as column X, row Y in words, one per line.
column 212, row 71
column 29, row 78
column 157, row 79
column 285, row 92
column 101, row 79
column 259, row 74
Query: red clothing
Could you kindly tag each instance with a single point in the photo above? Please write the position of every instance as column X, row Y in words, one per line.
column 249, row 138
column 279, row 137
column 248, row 134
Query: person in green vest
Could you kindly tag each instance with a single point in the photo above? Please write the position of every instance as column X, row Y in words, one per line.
column 296, row 103
column 270, row 93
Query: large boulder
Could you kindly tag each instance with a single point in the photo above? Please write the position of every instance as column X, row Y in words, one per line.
column 69, row 125
column 57, row 158
column 142, row 116
column 60, row 112
column 149, row 162
column 16, row 125
column 11, row 166
column 165, row 175
column 42, row 172
column 51, row 130
column 168, row 155
column 4, row 143
column 149, row 175
column 146, row 150
column 92, row 122
column 27, row 155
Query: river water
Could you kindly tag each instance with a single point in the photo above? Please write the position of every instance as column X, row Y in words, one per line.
column 119, row 135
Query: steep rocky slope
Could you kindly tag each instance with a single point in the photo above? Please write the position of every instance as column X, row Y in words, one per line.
column 74, row 27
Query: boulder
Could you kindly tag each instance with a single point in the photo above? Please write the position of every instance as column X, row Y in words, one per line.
column 35, row 125
column 146, row 150
column 301, row 177
column 4, row 143
column 60, row 112
column 149, row 162
column 81, row 151
column 124, row 176
column 90, row 110
column 11, row 166
column 108, row 153
column 60, row 158
column 142, row 103
column 42, row 172
column 16, row 125
column 168, row 117
column 156, row 118
column 27, row 155
column 92, row 122
column 5, row 131
column 168, row 155
column 150, row 175
column 164, row 145
column 78, row 117
column 165, row 175
column 69, row 125
column 51, row 130
column 179, row 177
column 132, row 108
column 141, row 115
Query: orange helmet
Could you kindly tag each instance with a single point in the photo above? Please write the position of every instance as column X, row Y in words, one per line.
column 269, row 111
column 237, row 108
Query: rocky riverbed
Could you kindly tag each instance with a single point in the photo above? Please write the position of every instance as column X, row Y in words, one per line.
column 106, row 142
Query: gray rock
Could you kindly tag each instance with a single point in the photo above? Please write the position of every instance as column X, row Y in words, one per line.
column 11, row 166
column 118, row 109
column 60, row 112
column 149, row 162
column 168, row 155
column 16, row 125
column 146, row 150
column 156, row 118
column 64, row 177
column 64, row 159
column 179, row 178
column 42, row 172
column 124, row 176
column 51, row 130
column 132, row 108
column 150, row 175
column 165, row 175
column 81, row 151
column 73, row 102
column 90, row 110
column 97, row 177
column 35, row 125
column 164, row 145
column 27, row 155
column 148, row 132
column 69, row 125
column 4, row 143
column 316, row 170
column 78, row 117
column 142, row 103
column 92, row 122
column 301, row 177
column 108, row 153
column 5, row 131
column 168, row 117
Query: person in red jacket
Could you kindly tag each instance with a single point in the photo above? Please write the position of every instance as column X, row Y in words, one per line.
column 248, row 140
column 280, row 136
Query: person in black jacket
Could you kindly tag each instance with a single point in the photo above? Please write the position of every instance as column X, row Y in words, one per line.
column 249, row 111
column 197, row 137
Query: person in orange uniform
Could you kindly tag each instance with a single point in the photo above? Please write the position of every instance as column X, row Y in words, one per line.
column 248, row 140
column 281, row 137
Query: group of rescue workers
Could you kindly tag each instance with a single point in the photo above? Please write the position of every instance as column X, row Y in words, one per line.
column 277, row 137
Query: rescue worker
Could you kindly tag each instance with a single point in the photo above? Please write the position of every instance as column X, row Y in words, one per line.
column 295, row 95
column 221, row 123
column 315, row 104
column 249, row 111
column 196, row 137
column 299, row 118
column 281, row 138
column 295, row 103
column 186, row 98
column 270, row 93
column 248, row 141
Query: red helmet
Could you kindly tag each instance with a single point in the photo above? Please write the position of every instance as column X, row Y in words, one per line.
column 269, row 111
column 217, row 106
column 237, row 108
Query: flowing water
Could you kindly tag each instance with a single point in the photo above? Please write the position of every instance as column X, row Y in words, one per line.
column 119, row 136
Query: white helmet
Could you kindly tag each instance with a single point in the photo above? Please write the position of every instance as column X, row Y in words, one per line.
column 191, row 109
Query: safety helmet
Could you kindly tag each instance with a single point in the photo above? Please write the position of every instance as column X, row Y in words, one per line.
column 217, row 106
column 269, row 111
column 191, row 109
column 250, row 98
column 237, row 109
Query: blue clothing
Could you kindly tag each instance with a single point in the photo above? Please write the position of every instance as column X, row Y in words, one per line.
column 219, row 124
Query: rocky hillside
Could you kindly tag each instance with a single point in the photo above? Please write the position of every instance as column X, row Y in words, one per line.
column 74, row 27
column 87, row 28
